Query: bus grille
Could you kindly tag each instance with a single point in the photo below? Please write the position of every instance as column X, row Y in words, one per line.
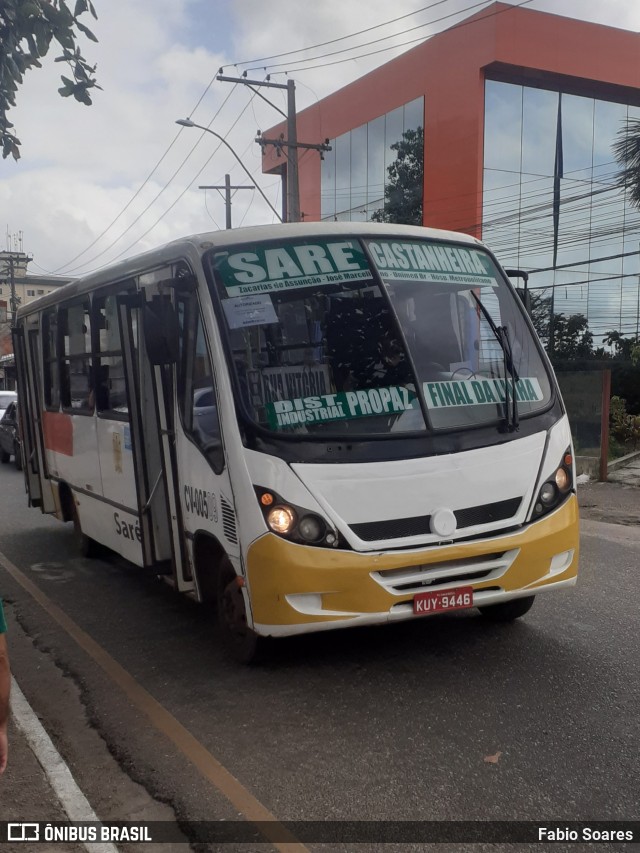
column 420, row 525
column 434, row 576
column 228, row 521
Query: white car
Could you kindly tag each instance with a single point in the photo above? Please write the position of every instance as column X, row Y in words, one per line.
column 6, row 397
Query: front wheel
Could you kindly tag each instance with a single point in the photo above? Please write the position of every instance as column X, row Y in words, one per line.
column 507, row 611
column 243, row 644
column 85, row 545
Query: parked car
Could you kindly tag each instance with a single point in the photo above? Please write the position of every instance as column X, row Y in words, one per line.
column 6, row 397
column 10, row 435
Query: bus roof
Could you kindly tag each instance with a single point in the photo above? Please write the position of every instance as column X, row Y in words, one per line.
column 199, row 243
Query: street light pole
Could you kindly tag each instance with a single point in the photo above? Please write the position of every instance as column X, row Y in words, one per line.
column 186, row 122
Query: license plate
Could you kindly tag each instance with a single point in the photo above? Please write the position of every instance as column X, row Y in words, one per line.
column 445, row 599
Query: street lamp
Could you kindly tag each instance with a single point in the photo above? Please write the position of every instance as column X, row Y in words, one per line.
column 186, row 122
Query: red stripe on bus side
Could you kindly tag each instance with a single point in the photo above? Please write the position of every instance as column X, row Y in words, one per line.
column 58, row 432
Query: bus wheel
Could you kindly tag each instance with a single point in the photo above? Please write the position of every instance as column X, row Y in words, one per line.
column 508, row 610
column 85, row 546
column 4, row 456
column 243, row 644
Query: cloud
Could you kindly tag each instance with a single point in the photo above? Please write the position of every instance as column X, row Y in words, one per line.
column 81, row 166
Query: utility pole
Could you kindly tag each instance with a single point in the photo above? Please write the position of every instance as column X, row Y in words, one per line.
column 12, row 261
column 291, row 193
column 227, row 187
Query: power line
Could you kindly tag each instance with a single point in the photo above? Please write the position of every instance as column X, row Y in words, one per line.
column 157, row 196
column 406, row 43
column 185, row 190
column 336, row 40
column 138, row 191
column 375, row 41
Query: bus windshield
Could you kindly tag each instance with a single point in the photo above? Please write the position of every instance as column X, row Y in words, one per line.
column 359, row 337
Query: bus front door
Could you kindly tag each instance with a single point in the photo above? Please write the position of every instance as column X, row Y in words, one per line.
column 150, row 399
column 30, row 424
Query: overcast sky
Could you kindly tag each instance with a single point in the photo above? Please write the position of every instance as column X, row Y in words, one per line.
column 88, row 188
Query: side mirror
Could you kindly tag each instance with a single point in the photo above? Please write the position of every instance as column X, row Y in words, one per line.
column 161, row 331
column 525, row 298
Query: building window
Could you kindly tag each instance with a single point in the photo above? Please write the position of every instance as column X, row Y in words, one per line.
column 360, row 178
column 551, row 204
column 40, row 292
column 31, row 293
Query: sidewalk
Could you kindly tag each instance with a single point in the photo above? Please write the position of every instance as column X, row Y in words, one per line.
column 617, row 501
column 26, row 794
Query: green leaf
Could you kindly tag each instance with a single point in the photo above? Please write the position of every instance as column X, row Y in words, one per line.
column 86, row 31
column 81, row 6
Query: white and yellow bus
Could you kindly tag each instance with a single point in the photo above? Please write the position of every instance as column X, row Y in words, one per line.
column 316, row 426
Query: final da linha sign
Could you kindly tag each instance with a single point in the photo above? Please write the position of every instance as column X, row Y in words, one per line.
column 479, row 392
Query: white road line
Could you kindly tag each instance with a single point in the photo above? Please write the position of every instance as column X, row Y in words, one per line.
column 71, row 798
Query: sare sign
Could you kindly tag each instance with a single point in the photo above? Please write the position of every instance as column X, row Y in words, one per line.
column 201, row 503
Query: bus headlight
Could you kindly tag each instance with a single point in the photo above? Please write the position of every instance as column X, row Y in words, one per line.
column 296, row 523
column 281, row 519
column 311, row 528
column 548, row 494
column 556, row 488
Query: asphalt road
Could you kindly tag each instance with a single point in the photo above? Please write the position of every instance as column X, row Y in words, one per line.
column 446, row 718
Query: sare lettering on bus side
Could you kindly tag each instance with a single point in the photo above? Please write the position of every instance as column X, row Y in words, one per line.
column 201, row 503
column 127, row 529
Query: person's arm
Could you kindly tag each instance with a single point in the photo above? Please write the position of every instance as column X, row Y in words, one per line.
column 5, row 688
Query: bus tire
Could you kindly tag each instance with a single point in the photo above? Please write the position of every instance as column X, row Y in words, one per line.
column 4, row 456
column 508, row 611
column 85, row 545
column 243, row 644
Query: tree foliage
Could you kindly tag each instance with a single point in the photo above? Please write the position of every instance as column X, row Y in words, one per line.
column 27, row 30
column 403, row 192
column 626, row 150
column 570, row 337
column 624, row 426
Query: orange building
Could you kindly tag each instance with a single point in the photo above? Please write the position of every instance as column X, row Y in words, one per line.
column 517, row 111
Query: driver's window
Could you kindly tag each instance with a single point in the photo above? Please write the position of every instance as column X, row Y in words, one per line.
column 197, row 394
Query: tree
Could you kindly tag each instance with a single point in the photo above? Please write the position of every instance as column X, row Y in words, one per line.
column 571, row 337
column 625, row 348
column 626, row 150
column 403, row 192
column 27, row 29
column 540, row 313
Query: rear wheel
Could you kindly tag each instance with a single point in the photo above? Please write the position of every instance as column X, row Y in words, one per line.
column 507, row 611
column 243, row 644
column 85, row 545
column 4, row 456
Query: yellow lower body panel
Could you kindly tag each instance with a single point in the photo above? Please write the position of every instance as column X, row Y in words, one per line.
column 299, row 588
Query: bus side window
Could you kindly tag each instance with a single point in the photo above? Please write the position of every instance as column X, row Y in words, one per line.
column 50, row 359
column 75, row 384
column 110, row 388
column 196, row 385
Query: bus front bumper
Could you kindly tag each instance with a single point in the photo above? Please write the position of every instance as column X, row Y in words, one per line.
column 297, row 589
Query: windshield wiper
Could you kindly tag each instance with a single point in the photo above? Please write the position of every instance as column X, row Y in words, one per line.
column 501, row 333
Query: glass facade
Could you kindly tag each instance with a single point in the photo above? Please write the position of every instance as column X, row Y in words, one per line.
column 356, row 172
column 551, row 205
